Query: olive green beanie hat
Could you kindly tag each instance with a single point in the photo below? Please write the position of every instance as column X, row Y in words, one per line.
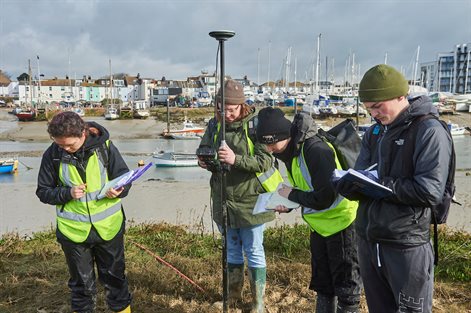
column 382, row 82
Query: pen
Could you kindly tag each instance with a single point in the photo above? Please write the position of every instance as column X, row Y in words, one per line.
column 369, row 168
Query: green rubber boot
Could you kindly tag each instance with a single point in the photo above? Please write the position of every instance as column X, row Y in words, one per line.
column 258, row 278
column 236, row 282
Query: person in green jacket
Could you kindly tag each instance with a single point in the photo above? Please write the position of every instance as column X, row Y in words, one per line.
column 246, row 158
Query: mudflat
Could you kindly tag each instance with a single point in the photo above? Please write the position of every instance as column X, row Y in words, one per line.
column 155, row 201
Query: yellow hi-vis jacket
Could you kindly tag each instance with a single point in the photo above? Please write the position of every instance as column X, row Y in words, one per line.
column 328, row 221
column 76, row 217
column 269, row 179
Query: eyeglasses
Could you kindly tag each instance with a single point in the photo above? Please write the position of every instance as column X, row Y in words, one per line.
column 229, row 110
column 269, row 139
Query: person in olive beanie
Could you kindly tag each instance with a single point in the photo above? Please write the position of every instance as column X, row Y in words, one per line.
column 309, row 163
column 382, row 82
column 412, row 152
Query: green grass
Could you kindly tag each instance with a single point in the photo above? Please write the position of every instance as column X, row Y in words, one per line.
column 454, row 249
column 33, row 273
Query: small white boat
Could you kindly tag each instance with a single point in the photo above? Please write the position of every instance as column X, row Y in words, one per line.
column 173, row 159
column 456, row 130
column 111, row 114
column 140, row 109
column 79, row 110
column 140, row 113
column 188, row 128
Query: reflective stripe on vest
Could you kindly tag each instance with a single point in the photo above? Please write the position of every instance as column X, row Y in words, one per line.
column 89, row 218
column 338, row 216
column 75, row 218
column 269, row 179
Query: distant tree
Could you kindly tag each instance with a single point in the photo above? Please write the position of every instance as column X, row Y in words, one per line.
column 23, row 77
column 5, row 74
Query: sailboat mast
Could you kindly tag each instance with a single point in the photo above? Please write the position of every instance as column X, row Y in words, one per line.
column 258, row 67
column 39, row 82
column 29, row 82
column 268, row 77
column 287, row 69
column 111, row 84
column 68, row 72
column 318, row 61
column 416, row 65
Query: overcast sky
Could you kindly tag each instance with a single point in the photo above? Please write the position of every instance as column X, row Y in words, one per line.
column 170, row 38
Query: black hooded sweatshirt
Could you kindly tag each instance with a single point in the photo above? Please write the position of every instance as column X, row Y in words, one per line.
column 50, row 190
column 320, row 161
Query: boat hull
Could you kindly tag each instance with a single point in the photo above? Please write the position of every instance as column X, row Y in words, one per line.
column 8, row 167
column 170, row 159
column 25, row 116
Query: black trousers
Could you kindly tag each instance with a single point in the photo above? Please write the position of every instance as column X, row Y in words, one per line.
column 109, row 259
column 334, row 264
column 397, row 279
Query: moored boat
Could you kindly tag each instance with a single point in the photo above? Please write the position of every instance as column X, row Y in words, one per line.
column 26, row 115
column 184, row 136
column 111, row 114
column 173, row 159
column 140, row 109
column 456, row 130
column 188, row 128
column 8, row 166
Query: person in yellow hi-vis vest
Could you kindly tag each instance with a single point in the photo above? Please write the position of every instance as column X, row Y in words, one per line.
column 251, row 173
column 310, row 162
column 75, row 167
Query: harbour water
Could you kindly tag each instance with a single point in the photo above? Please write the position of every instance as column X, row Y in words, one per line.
column 142, row 149
column 21, row 211
column 132, row 150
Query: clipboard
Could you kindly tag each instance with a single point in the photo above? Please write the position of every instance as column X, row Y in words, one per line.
column 123, row 180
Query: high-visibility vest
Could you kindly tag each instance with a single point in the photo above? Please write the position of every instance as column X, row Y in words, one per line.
column 269, row 179
column 76, row 217
column 338, row 216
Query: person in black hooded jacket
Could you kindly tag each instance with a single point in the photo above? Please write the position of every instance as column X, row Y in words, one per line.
column 395, row 253
column 310, row 161
column 73, row 171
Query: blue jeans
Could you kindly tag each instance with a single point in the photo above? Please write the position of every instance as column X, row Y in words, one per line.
column 248, row 240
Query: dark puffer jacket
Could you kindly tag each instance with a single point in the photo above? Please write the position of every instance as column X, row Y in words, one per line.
column 403, row 219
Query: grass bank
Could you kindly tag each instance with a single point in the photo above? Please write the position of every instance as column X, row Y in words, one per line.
column 33, row 273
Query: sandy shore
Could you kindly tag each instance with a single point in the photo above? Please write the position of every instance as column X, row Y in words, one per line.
column 155, row 201
column 184, row 203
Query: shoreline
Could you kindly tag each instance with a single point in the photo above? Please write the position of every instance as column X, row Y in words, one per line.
column 150, row 128
column 176, row 202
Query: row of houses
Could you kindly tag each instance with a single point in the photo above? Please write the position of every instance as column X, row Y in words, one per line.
column 87, row 90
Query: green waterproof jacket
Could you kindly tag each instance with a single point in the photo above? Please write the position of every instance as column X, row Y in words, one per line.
column 242, row 185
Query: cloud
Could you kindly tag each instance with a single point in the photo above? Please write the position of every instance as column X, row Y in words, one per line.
column 170, row 38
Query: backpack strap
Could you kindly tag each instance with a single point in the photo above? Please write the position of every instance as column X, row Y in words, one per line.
column 252, row 128
column 103, row 153
column 58, row 156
